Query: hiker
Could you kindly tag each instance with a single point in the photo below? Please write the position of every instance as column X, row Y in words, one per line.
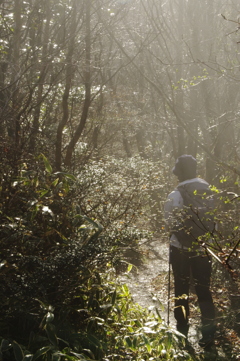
column 187, row 256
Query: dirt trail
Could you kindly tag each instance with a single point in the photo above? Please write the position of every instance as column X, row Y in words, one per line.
column 151, row 278
column 150, row 283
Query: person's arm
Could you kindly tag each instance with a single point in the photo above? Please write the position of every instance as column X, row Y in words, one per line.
column 174, row 202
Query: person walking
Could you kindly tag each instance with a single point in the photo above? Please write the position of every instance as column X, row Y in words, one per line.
column 187, row 257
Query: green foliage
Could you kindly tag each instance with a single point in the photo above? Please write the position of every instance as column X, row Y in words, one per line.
column 136, row 185
column 114, row 328
column 59, row 297
column 59, row 232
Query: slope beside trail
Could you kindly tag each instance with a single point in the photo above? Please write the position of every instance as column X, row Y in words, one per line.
column 148, row 284
column 149, row 281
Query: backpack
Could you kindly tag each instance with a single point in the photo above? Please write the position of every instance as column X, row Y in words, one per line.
column 196, row 218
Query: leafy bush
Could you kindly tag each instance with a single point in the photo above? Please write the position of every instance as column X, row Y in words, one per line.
column 110, row 327
column 122, row 191
column 59, row 299
column 62, row 238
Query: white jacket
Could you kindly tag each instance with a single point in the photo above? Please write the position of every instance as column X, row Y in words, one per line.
column 175, row 201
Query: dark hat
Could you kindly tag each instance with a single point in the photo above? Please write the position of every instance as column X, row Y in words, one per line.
column 185, row 167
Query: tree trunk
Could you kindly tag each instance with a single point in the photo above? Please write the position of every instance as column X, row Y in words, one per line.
column 87, row 100
column 43, row 73
column 68, row 83
column 16, row 74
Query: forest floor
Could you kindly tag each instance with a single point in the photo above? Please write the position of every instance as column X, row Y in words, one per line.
column 148, row 284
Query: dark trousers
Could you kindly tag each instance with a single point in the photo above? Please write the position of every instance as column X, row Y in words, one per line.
column 185, row 264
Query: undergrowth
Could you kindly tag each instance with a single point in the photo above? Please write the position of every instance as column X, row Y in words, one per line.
column 59, row 297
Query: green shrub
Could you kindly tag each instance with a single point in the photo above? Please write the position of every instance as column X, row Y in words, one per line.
column 59, row 297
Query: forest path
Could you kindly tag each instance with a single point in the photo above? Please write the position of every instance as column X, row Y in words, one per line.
column 149, row 280
column 148, row 284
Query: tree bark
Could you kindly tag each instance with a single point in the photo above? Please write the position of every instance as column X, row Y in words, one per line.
column 16, row 57
column 68, row 83
column 87, row 100
column 43, row 73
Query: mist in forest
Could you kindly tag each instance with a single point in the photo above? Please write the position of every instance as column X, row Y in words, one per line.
column 98, row 98
column 166, row 74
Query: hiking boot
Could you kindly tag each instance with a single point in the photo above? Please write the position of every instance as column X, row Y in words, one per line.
column 208, row 332
column 206, row 341
column 183, row 329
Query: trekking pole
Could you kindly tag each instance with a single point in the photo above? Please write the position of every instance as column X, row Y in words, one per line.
column 169, row 288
